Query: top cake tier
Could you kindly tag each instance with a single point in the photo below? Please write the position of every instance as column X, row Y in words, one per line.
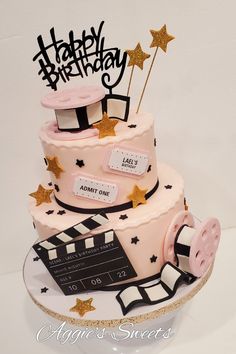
column 91, row 174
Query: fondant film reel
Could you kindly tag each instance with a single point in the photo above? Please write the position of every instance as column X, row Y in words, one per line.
column 181, row 218
column 192, row 247
column 204, row 246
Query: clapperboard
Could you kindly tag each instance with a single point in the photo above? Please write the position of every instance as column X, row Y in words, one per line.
column 85, row 264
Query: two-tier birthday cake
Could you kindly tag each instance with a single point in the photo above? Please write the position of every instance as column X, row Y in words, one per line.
column 108, row 215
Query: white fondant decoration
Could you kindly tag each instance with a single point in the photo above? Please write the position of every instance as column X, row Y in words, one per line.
column 64, row 237
column 109, row 236
column 89, row 242
column 67, row 119
column 70, row 248
column 186, row 235
column 170, row 276
column 52, row 254
column 70, row 119
column 46, row 244
column 94, row 112
column 128, row 161
column 156, row 291
column 129, row 294
column 94, row 189
column 81, row 228
column 116, row 108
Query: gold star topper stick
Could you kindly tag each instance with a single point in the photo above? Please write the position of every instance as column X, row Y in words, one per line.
column 159, row 39
column 136, row 57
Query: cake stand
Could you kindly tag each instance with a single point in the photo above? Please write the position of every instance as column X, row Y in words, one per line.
column 110, row 331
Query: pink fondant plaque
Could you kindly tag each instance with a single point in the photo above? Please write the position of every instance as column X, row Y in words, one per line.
column 127, row 161
column 95, row 189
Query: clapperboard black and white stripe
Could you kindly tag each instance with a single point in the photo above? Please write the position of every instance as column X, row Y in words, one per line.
column 89, row 263
column 69, row 234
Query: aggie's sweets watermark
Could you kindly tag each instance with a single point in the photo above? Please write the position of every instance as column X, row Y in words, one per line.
column 124, row 332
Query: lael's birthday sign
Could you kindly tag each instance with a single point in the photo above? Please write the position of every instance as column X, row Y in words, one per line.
column 131, row 162
column 62, row 60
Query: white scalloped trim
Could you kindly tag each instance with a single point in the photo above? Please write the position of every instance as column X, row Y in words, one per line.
column 144, row 123
column 158, row 205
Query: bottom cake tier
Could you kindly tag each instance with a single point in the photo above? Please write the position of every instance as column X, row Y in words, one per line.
column 141, row 231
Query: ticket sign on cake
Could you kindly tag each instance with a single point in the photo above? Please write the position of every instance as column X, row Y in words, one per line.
column 126, row 161
column 95, row 189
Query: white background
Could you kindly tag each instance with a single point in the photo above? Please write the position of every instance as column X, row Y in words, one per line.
column 191, row 93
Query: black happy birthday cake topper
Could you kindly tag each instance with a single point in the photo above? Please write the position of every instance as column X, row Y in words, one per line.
column 79, row 57
column 61, row 60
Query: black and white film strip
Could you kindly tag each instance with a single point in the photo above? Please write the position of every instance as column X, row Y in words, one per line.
column 81, row 118
column 189, row 250
column 69, row 234
column 171, row 278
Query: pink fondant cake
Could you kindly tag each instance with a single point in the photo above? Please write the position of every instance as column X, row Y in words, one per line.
column 107, row 214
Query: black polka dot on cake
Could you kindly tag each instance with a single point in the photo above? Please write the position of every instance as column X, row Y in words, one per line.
column 35, row 259
column 61, row 212
column 135, row 240
column 132, row 126
column 50, row 184
column 123, row 217
column 56, row 187
column 155, row 142
column 49, row 212
column 44, row 290
column 153, row 259
column 80, row 163
column 168, row 186
column 149, row 168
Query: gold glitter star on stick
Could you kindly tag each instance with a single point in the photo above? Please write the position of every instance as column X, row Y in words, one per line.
column 54, row 166
column 159, row 39
column 42, row 195
column 106, row 126
column 83, row 306
column 138, row 196
column 136, row 57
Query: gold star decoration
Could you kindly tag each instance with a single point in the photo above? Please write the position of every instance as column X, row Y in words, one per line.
column 161, row 38
column 106, row 126
column 83, row 306
column 54, row 166
column 42, row 195
column 137, row 56
column 138, row 196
